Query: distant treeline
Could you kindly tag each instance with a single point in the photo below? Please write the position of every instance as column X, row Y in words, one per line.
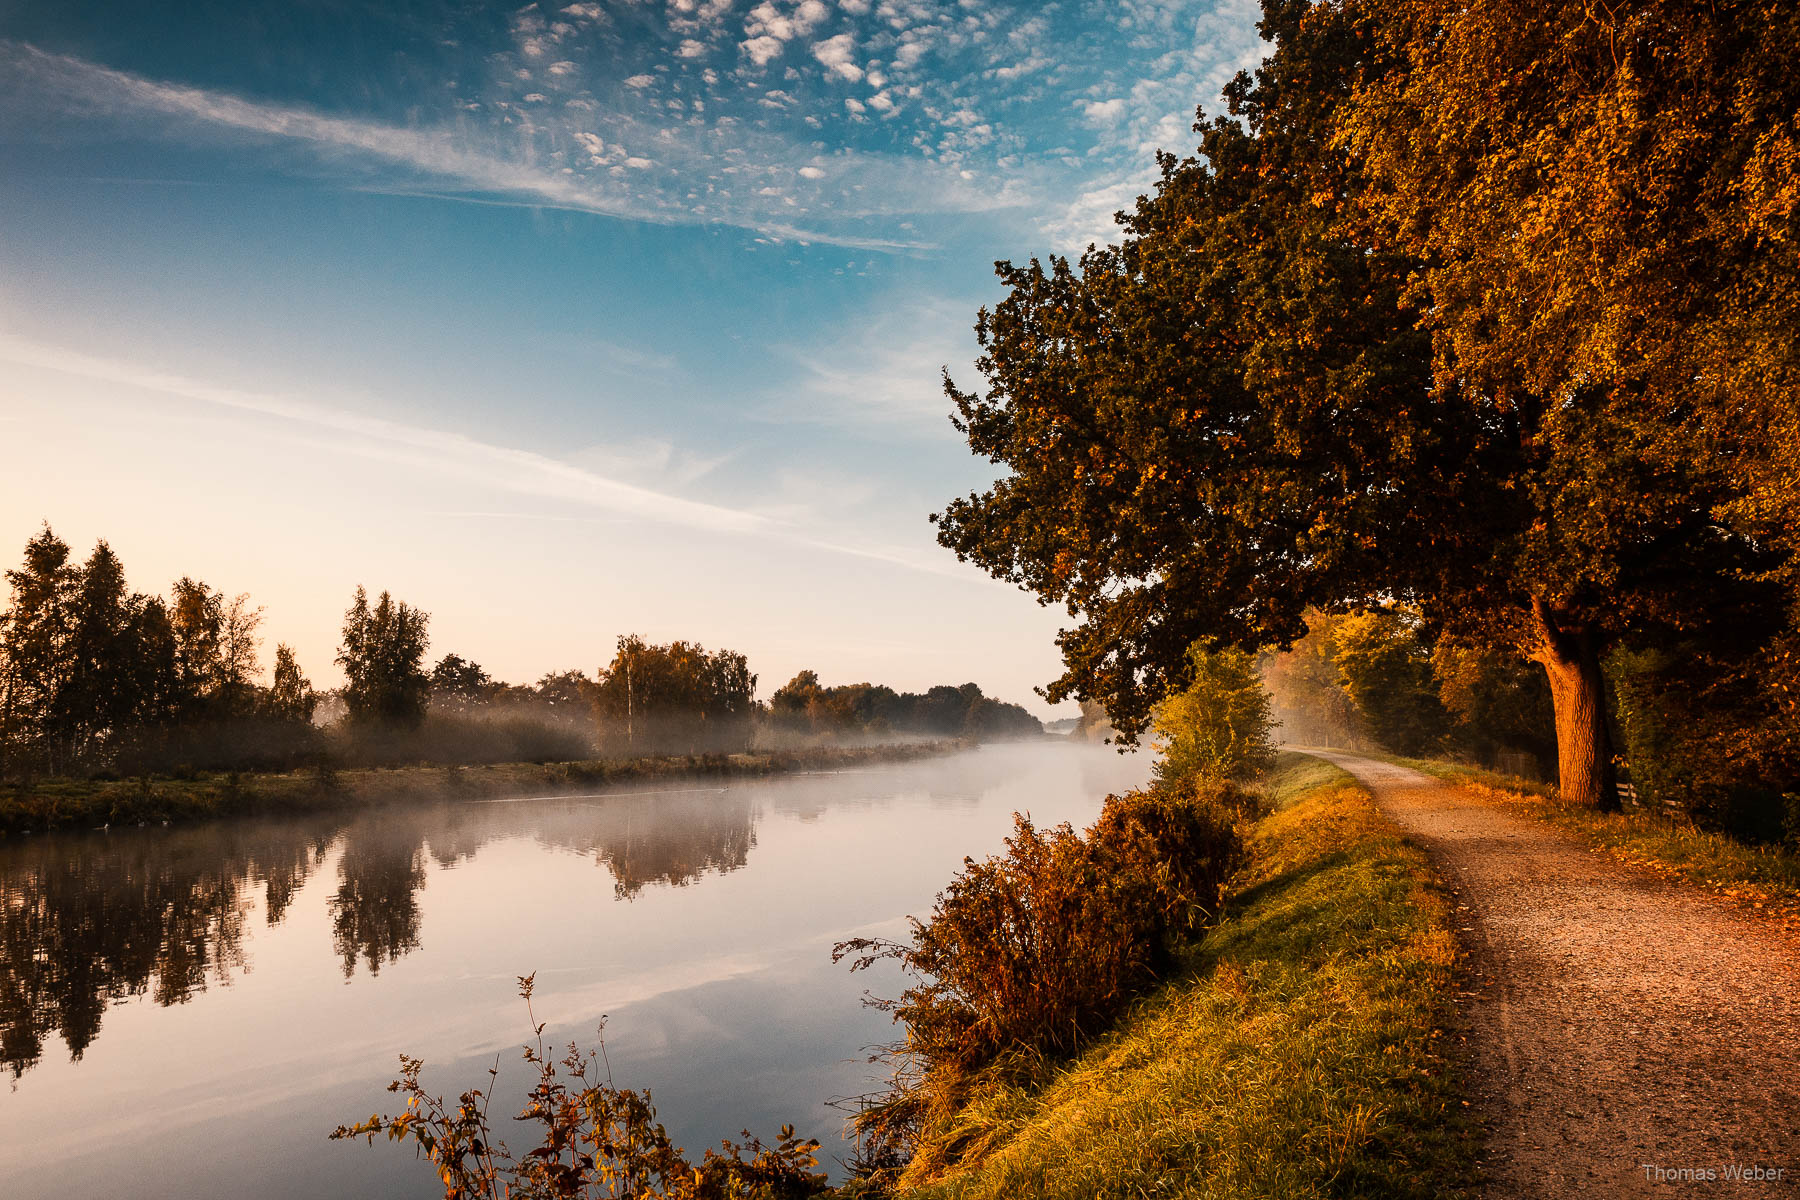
column 1377, row 680
column 98, row 680
column 873, row 709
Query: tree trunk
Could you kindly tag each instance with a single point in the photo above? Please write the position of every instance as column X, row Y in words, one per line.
column 1584, row 756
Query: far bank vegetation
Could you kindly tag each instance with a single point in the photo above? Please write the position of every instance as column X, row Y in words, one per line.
column 99, row 682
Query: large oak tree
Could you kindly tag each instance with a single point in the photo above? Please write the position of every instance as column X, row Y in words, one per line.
column 1258, row 403
column 1605, row 204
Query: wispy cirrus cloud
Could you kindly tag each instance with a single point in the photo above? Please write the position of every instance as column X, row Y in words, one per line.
column 508, row 469
column 884, row 373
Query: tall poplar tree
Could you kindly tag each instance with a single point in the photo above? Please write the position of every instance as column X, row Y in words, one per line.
column 197, row 621
column 290, row 696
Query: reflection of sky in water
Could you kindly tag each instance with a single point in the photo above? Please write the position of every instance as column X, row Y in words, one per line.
column 237, row 990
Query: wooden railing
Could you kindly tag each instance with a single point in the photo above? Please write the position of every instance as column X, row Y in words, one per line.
column 1629, row 798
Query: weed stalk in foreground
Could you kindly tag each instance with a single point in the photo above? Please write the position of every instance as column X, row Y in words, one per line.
column 597, row 1142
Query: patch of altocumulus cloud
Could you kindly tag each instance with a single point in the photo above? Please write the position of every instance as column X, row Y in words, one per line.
column 458, row 159
column 795, row 119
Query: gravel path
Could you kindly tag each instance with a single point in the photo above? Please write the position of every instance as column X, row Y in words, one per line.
column 1619, row 1024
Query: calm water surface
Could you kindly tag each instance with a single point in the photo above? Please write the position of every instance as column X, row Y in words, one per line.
column 188, row 1012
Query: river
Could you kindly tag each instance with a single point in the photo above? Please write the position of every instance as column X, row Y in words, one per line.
column 189, row 1011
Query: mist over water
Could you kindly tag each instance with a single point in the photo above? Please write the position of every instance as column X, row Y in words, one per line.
column 218, row 998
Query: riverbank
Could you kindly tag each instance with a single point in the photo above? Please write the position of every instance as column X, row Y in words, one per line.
column 78, row 804
column 1304, row 1049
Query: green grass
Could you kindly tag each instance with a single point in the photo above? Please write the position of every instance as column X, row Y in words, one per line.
column 1301, row 1053
column 1297, row 774
column 1762, row 879
column 65, row 803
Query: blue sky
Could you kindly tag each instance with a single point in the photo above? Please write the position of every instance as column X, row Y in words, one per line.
column 563, row 320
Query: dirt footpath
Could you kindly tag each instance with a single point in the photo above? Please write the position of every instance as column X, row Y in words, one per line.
column 1629, row 1036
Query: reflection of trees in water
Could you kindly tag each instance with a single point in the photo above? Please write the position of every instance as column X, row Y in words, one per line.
column 670, row 837
column 680, row 855
column 959, row 782
column 88, row 920
column 375, row 911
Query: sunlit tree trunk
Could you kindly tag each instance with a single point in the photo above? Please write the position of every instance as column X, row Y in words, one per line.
column 1583, row 746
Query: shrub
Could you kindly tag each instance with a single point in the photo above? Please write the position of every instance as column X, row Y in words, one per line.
column 1688, row 732
column 1175, row 846
column 248, row 743
column 1028, row 952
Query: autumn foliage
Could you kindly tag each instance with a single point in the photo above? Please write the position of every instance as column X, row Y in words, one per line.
column 596, row 1141
column 1028, row 953
column 1483, row 309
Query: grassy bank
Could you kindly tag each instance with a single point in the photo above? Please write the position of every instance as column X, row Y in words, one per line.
column 1763, row 879
column 1300, row 1052
column 89, row 803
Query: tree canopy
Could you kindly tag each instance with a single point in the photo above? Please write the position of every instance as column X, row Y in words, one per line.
column 96, row 676
column 383, row 655
column 1293, row 383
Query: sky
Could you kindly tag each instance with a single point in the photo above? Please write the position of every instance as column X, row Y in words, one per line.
column 560, row 321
